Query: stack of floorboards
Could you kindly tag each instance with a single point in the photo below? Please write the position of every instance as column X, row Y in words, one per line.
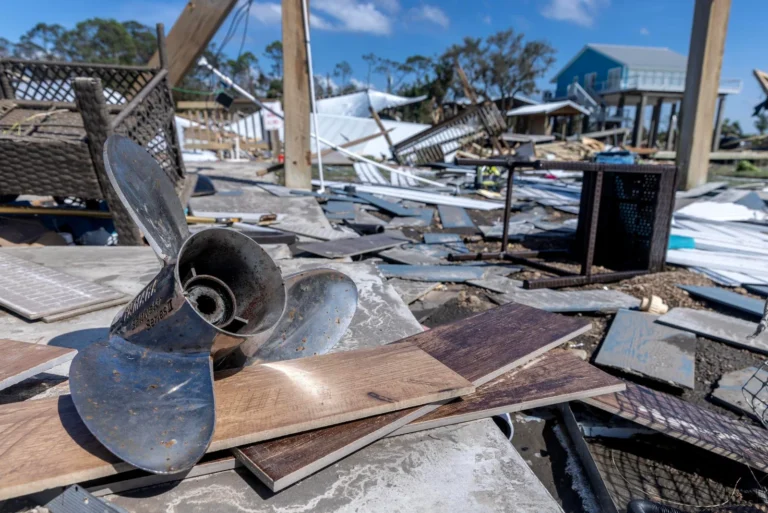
column 286, row 420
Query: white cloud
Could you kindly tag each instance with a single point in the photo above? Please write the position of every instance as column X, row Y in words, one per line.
column 644, row 31
column 341, row 15
column 580, row 12
column 354, row 16
column 360, row 84
column 487, row 20
column 325, row 81
column 267, row 13
column 430, row 13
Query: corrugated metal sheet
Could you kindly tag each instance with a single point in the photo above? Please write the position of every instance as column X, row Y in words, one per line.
column 357, row 104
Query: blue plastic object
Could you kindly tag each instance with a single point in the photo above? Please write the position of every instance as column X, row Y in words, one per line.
column 681, row 242
column 615, row 157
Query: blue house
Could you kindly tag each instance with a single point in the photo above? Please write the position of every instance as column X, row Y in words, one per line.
column 615, row 75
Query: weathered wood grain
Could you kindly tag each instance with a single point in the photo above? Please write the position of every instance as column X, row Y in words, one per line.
column 717, row 326
column 22, row 360
column 480, row 348
column 45, row 444
column 555, row 377
column 638, row 345
column 685, row 421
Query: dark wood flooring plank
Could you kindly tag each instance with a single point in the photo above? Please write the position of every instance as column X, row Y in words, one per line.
column 480, row 348
column 555, row 377
column 679, row 419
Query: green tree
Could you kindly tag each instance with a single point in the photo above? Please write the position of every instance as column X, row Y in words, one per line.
column 274, row 52
column 343, row 71
column 731, row 129
column 39, row 42
column 99, row 40
column 761, row 123
column 6, row 47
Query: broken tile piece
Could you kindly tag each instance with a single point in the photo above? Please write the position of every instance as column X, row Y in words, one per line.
column 730, row 391
column 717, row 326
column 637, row 344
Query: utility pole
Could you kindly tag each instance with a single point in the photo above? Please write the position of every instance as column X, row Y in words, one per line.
column 296, row 105
column 702, row 81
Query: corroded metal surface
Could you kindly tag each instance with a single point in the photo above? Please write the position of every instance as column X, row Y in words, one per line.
column 146, row 392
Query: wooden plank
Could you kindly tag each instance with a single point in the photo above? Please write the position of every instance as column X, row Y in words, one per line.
column 480, row 348
column 716, row 326
column 702, row 82
column 22, row 360
column 636, row 344
column 298, row 170
column 45, row 444
column 679, row 419
column 191, row 34
column 555, row 377
column 352, row 247
column 745, row 304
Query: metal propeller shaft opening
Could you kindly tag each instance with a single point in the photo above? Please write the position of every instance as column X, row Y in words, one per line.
column 211, row 298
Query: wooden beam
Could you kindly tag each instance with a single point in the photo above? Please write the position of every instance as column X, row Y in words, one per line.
column 377, row 119
column 762, row 79
column 190, row 35
column 296, row 106
column 637, row 130
column 718, row 123
column 702, row 81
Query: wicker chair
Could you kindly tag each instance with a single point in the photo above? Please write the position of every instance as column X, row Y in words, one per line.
column 55, row 117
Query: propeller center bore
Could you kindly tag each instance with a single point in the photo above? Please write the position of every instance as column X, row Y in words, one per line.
column 212, row 299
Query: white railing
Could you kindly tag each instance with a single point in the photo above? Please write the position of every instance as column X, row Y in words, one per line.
column 661, row 82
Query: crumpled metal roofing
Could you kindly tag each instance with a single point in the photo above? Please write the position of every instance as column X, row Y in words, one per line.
column 357, row 104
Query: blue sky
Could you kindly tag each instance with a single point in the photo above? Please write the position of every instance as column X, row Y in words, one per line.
column 348, row 29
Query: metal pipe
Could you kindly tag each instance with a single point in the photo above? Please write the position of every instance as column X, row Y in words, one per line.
column 312, row 95
column 228, row 81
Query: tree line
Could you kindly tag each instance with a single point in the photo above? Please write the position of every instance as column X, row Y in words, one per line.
column 498, row 66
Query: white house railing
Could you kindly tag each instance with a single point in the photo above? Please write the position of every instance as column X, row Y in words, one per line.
column 655, row 81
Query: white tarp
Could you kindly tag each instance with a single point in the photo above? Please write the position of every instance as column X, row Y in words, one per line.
column 357, row 104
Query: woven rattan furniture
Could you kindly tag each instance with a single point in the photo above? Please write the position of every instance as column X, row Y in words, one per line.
column 55, row 117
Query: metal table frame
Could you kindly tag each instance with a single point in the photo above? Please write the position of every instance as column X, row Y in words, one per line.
column 589, row 217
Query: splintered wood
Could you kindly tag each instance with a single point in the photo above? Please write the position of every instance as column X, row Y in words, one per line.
column 45, row 444
column 480, row 348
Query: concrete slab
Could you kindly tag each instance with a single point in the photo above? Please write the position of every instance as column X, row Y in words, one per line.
column 716, row 326
column 468, row 467
column 636, row 344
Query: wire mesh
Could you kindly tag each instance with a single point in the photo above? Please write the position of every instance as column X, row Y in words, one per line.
column 755, row 392
column 52, row 81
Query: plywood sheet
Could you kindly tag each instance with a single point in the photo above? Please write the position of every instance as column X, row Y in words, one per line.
column 22, row 360
column 635, row 343
column 45, row 444
column 679, row 419
column 717, row 326
column 555, row 377
column 480, row 348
